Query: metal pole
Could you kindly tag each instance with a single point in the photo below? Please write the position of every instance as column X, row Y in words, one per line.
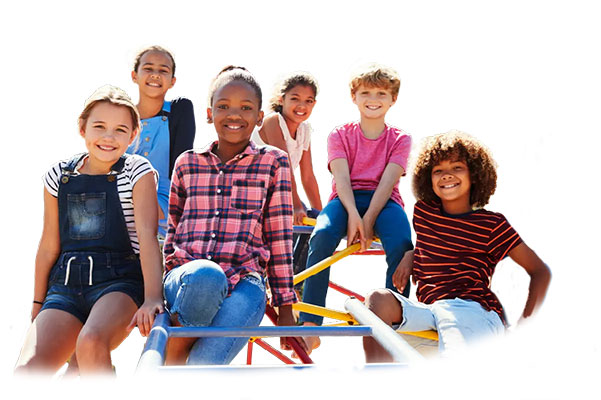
column 153, row 355
column 268, row 331
column 398, row 348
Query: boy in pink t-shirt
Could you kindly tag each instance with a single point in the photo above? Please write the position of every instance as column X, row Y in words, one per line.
column 367, row 159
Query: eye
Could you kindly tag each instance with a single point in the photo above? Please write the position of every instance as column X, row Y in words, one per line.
column 247, row 108
column 310, row 101
column 221, row 106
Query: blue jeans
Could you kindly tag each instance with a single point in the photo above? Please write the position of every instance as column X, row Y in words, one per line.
column 198, row 293
column 391, row 226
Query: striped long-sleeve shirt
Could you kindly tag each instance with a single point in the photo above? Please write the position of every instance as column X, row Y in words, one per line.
column 455, row 256
column 237, row 214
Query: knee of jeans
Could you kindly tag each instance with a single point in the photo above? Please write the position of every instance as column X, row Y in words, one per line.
column 205, row 274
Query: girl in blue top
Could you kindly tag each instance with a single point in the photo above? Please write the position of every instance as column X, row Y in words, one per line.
column 168, row 127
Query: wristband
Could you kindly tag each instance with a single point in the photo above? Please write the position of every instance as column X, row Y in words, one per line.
column 38, row 302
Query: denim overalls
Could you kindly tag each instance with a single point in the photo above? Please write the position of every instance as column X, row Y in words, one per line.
column 153, row 144
column 96, row 254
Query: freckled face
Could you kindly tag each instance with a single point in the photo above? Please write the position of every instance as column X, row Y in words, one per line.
column 373, row 102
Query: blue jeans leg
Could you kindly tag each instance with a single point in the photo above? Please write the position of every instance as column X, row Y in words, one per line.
column 245, row 307
column 393, row 229
column 195, row 291
column 330, row 228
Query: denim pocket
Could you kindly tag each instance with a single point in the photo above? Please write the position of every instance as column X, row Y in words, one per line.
column 86, row 213
column 248, row 195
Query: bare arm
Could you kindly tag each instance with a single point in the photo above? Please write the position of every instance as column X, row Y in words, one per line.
column 48, row 251
column 540, row 276
column 145, row 209
column 392, row 174
column 404, row 270
column 309, row 181
column 271, row 133
column 342, row 177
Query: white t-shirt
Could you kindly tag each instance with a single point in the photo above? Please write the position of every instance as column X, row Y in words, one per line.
column 294, row 147
column 135, row 167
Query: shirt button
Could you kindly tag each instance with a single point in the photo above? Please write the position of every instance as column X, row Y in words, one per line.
column 209, row 257
column 144, row 123
column 218, row 190
column 213, row 235
column 145, row 154
column 216, row 212
column 220, row 172
column 147, row 139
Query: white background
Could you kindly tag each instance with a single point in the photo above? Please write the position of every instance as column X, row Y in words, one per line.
column 521, row 76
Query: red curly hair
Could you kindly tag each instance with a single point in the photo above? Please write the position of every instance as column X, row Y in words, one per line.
column 455, row 145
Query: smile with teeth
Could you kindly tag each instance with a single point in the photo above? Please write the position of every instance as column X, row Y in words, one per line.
column 449, row 186
column 300, row 113
column 234, row 127
column 154, row 84
column 106, row 148
column 373, row 107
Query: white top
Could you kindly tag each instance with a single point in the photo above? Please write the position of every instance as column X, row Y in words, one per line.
column 294, row 147
column 135, row 167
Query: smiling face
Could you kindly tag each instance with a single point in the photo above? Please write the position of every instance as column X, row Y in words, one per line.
column 108, row 131
column 373, row 102
column 235, row 112
column 297, row 103
column 451, row 182
column 154, row 75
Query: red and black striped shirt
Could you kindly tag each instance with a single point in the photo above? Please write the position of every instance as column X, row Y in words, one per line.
column 456, row 255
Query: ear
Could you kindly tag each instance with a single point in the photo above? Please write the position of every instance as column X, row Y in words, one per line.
column 209, row 115
column 354, row 97
column 134, row 76
column 82, row 131
column 133, row 136
column 260, row 118
column 394, row 98
column 172, row 82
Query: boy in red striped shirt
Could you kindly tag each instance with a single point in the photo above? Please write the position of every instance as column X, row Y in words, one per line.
column 457, row 248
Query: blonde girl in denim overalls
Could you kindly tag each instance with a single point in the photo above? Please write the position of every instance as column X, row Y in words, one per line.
column 98, row 266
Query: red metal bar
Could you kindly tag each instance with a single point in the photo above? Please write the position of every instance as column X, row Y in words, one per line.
column 249, row 352
column 346, row 291
column 274, row 352
column 300, row 352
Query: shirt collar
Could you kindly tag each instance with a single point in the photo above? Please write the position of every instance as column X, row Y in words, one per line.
column 250, row 149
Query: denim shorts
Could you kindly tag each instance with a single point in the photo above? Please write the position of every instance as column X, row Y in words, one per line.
column 458, row 322
column 79, row 279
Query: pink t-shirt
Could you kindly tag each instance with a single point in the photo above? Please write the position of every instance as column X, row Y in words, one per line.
column 367, row 158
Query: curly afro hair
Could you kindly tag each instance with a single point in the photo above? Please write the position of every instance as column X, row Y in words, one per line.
column 455, row 145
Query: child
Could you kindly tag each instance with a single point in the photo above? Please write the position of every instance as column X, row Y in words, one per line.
column 458, row 246
column 168, row 127
column 98, row 265
column 287, row 129
column 230, row 222
column 367, row 159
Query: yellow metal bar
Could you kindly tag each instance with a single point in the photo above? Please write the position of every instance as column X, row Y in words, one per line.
column 432, row 335
column 324, row 312
column 320, row 266
column 308, row 221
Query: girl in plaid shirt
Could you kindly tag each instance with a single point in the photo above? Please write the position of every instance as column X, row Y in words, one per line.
column 229, row 225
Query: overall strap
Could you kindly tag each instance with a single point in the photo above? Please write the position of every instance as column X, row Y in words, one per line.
column 70, row 166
